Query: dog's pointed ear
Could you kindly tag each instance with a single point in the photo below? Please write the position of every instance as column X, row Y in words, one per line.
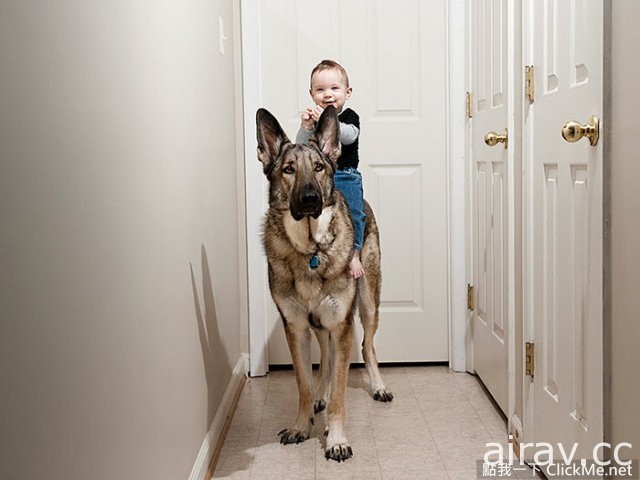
column 271, row 138
column 327, row 134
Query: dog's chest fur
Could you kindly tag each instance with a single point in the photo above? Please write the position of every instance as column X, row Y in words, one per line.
column 300, row 291
column 309, row 235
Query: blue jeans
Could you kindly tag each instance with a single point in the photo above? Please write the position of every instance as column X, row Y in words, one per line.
column 349, row 183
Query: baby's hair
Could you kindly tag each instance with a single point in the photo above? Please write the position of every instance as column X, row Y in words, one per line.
column 330, row 65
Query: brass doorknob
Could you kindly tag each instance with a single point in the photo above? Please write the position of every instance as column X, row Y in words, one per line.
column 574, row 131
column 493, row 138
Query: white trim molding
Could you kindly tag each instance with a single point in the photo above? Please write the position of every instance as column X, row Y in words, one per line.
column 456, row 195
column 214, row 435
column 255, row 197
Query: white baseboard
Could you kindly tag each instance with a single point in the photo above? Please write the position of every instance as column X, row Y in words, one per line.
column 245, row 359
column 199, row 470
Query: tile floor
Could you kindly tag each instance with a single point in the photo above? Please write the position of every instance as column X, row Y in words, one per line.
column 435, row 429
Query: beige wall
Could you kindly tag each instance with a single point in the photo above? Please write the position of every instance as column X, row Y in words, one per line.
column 119, row 249
column 625, row 224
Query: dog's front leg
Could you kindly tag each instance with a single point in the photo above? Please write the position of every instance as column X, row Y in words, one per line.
column 338, row 447
column 323, row 386
column 299, row 338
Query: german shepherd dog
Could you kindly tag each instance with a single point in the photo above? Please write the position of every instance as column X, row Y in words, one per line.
column 308, row 241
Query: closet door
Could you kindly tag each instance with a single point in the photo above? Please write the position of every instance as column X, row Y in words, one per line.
column 491, row 177
column 564, row 281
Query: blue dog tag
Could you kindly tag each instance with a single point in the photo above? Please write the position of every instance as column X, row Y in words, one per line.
column 314, row 261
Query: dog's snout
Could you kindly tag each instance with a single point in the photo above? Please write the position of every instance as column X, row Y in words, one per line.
column 310, row 198
column 308, row 201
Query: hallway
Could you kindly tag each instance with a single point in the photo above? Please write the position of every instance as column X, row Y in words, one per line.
column 435, row 428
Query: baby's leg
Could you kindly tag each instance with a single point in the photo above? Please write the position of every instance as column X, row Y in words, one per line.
column 349, row 183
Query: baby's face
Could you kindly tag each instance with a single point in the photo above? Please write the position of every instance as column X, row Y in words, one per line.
column 328, row 87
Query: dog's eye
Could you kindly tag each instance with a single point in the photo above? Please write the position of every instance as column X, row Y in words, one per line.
column 319, row 167
column 288, row 170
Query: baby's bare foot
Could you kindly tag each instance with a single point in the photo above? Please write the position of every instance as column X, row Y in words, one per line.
column 355, row 267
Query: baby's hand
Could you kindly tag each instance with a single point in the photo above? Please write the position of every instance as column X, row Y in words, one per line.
column 310, row 116
column 315, row 112
column 307, row 119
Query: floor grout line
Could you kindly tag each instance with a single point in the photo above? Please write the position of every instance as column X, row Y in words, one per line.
column 427, row 423
column 369, row 416
column 478, row 413
column 259, row 430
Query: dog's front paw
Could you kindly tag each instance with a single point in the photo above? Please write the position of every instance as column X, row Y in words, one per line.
column 383, row 395
column 339, row 452
column 292, row 435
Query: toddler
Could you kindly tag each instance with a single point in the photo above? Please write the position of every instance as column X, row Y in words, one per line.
column 330, row 86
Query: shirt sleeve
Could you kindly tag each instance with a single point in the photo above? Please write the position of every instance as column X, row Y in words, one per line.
column 303, row 136
column 349, row 126
column 348, row 133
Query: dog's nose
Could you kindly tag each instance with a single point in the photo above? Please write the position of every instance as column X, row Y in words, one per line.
column 307, row 201
column 310, row 198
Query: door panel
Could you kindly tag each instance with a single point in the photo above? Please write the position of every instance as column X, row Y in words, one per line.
column 394, row 53
column 491, row 182
column 565, row 231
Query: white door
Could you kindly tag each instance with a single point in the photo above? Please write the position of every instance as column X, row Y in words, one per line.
column 490, row 180
column 394, row 52
column 564, row 181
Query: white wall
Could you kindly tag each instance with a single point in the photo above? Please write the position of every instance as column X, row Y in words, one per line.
column 119, row 254
column 624, row 391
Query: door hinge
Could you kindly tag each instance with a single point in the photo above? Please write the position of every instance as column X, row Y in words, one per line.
column 529, row 83
column 529, row 353
column 469, row 105
column 469, row 297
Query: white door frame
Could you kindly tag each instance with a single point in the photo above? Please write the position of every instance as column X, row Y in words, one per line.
column 256, row 192
column 515, row 77
column 255, row 188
